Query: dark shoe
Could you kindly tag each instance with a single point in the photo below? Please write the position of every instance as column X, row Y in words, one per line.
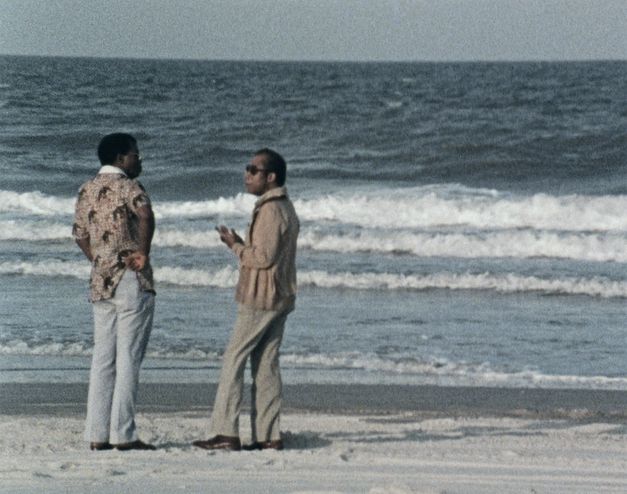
column 134, row 445
column 220, row 442
column 276, row 444
column 100, row 446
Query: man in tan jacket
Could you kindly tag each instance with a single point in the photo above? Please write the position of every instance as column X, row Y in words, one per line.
column 266, row 292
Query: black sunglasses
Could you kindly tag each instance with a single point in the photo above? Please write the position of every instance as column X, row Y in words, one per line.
column 253, row 170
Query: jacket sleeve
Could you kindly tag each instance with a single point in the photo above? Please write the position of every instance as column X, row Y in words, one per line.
column 265, row 245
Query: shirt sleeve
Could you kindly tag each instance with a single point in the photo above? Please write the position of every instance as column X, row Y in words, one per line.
column 80, row 228
column 137, row 197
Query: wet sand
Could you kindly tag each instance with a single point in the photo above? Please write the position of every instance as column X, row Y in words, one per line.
column 70, row 399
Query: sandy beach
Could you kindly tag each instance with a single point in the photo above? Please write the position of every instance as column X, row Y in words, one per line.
column 339, row 439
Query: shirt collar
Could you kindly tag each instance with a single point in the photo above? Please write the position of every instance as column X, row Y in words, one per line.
column 111, row 169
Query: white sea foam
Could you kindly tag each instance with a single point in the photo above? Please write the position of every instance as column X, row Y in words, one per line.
column 423, row 207
column 35, row 203
column 365, row 367
column 34, row 230
column 19, row 347
column 507, row 283
column 179, row 238
column 52, row 268
column 240, row 205
column 223, row 278
column 84, row 349
column 41, row 231
column 373, row 362
column 414, row 208
column 583, row 246
column 508, row 243
column 443, row 372
column 227, row 278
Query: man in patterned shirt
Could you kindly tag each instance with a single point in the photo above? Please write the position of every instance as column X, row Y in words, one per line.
column 114, row 225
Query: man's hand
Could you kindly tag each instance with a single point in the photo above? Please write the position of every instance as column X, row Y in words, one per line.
column 228, row 236
column 136, row 260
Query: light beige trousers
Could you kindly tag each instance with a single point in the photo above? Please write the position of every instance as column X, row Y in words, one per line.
column 258, row 334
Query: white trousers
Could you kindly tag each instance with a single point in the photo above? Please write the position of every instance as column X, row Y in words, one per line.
column 122, row 327
column 258, row 334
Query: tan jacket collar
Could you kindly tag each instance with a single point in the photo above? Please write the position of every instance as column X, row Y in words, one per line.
column 271, row 194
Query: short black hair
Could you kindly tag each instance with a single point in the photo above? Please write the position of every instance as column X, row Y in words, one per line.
column 274, row 164
column 113, row 144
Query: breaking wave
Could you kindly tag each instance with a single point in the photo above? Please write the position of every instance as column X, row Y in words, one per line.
column 227, row 278
column 371, row 367
column 417, row 207
column 601, row 247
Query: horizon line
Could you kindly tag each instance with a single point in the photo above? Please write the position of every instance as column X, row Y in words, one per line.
column 331, row 61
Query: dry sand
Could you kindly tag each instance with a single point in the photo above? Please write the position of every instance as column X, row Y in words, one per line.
column 564, row 449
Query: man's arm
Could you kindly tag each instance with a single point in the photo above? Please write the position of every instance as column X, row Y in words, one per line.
column 266, row 240
column 146, row 229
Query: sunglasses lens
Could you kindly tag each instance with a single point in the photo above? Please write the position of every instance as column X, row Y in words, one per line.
column 252, row 169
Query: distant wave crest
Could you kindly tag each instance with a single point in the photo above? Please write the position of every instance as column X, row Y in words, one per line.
column 417, row 207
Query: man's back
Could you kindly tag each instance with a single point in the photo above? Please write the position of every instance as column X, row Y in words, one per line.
column 105, row 206
column 106, row 213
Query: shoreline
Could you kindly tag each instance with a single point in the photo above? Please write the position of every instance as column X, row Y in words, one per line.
column 69, row 399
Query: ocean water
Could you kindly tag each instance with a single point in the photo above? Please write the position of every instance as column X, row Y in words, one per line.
column 461, row 224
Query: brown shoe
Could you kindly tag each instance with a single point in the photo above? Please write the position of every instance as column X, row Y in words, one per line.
column 220, row 442
column 100, row 446
column 276, row 444
column 134, row 445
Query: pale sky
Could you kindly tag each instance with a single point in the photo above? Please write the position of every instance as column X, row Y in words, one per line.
column 359, row 30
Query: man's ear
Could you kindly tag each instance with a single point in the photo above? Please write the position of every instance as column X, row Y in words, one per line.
column 271, row 177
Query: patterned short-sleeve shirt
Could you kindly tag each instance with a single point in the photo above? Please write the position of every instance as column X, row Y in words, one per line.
column 106, row 213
